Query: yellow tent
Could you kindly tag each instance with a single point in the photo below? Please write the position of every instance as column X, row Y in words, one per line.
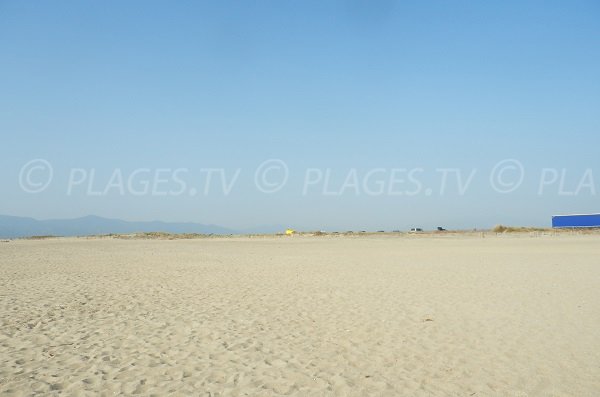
column 289, row 232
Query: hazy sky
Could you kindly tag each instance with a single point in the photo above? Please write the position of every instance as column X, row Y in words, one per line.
column 341, row 92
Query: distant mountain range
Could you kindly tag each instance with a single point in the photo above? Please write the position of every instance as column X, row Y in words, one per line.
column 15, row 226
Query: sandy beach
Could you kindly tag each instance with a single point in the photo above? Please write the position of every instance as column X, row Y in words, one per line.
column 507, row 315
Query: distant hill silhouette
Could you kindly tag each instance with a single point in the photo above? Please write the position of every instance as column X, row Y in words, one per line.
column 14, row 227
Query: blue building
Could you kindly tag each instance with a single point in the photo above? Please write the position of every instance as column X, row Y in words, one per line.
column 576, row 220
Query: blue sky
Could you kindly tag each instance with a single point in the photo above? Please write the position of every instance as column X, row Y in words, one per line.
column 329, row 85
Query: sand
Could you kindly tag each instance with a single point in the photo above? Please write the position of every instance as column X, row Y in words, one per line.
column 302, row 316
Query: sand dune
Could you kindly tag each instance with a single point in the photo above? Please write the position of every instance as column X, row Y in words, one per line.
column 302, row 316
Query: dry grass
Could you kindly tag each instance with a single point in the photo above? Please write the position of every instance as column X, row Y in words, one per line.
column 518, row 229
